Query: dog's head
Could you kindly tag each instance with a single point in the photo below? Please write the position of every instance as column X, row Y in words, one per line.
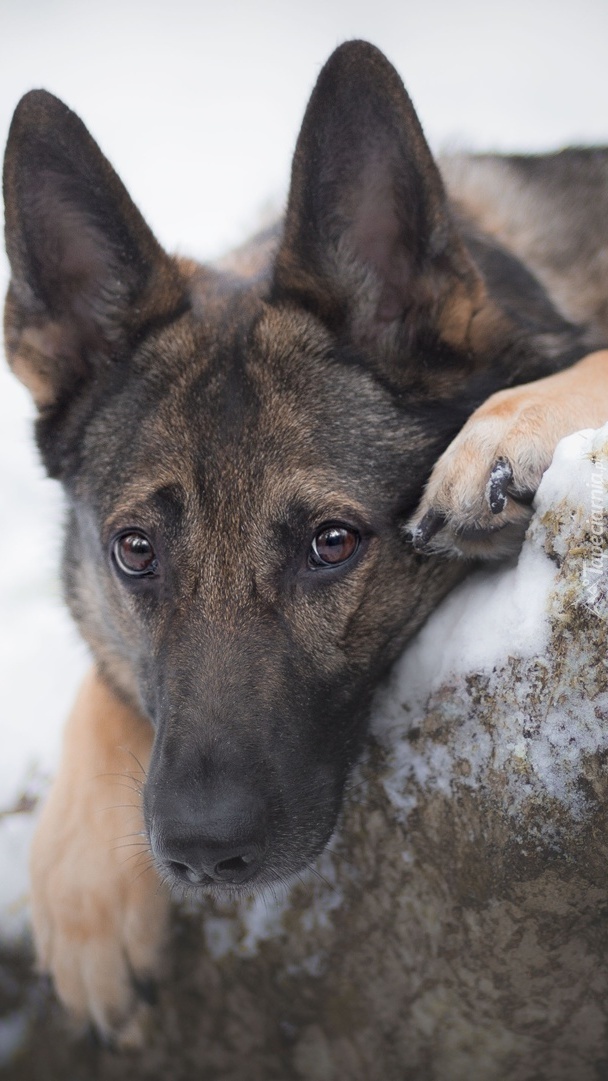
column 240, row 454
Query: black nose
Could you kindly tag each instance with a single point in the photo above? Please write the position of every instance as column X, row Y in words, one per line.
column 214, row 838
column 228, row 866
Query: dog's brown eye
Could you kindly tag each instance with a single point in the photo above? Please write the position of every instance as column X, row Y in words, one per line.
column 134, row 555
column 332, row 545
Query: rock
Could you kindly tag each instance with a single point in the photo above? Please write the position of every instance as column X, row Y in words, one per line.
column 457, row 928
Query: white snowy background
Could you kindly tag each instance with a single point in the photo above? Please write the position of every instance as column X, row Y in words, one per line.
column 198, row 105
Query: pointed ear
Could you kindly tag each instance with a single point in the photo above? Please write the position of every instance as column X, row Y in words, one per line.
column 369, row 242
column 87, row 275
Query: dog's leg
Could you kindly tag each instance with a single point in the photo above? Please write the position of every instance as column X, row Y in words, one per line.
column 478, row 499
column 99, row 911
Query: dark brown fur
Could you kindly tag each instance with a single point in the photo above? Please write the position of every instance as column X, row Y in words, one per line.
column 230, row 414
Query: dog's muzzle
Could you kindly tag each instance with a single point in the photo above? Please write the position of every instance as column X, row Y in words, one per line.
column 219, row 838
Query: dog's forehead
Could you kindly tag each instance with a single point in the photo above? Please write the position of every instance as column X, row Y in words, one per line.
column 254, row 412
column 266, row 386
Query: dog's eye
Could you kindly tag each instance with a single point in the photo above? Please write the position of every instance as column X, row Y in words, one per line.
column 134, row 555
column 333, row 544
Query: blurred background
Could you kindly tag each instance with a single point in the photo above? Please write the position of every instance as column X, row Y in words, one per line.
column 198, row 106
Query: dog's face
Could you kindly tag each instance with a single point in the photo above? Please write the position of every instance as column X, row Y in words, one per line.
column 236, row 556
column 240, row 456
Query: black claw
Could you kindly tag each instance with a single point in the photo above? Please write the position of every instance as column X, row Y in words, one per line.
column 500, row 479
column 147, row 989
column 91, row 1036
column 426, row 529
column 100, row 1041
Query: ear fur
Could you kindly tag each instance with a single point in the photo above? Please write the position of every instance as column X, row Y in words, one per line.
column 369, row 242
column 86, row 271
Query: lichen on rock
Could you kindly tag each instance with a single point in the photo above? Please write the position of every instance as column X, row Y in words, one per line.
column 456, row 928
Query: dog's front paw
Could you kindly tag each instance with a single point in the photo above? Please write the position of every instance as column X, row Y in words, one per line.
column 477, row 501
column 99, row 912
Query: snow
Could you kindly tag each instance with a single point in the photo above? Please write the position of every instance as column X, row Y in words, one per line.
column 199, row 106
column 487, row 664
column 241, row 929
column 494, row 613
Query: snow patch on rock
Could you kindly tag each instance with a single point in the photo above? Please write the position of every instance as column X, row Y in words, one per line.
column 503, row 680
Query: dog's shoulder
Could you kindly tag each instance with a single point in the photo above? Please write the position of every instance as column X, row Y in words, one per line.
column 550, row 211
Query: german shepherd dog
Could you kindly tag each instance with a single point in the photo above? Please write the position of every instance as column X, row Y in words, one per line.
column 268, row 466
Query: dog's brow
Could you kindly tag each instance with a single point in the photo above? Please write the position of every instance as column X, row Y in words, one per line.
column 170, row 501
column 166, row 502
column 318, row 497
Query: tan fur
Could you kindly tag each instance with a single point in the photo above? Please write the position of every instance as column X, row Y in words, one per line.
column 523, row 426
column 96, row 913
column 99, row 911
column 551, row 231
